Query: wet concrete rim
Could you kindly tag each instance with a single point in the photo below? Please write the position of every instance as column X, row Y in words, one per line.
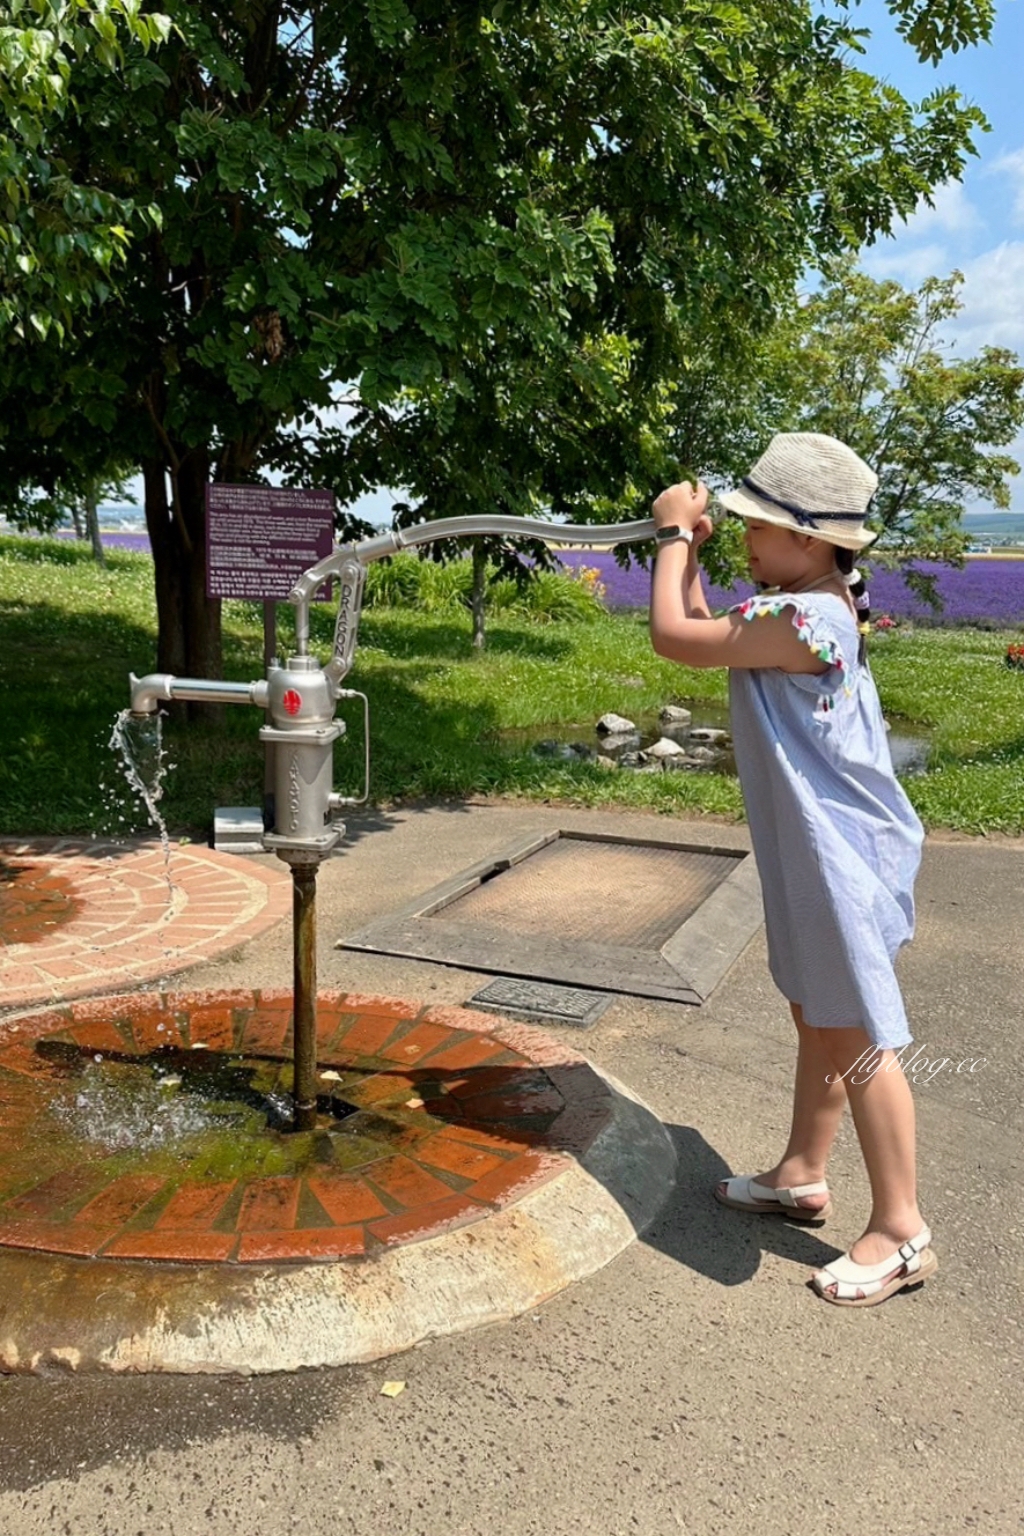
column 79, row 1315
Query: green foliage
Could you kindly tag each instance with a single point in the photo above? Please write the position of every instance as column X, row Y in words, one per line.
column 868, row 363
column 58, row 552
column 438, row 708
column 62, row 235
column 405, row 581
column 934, row 29
column 494, row 225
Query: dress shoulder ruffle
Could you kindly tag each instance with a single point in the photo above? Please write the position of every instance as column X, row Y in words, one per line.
column 818, row 633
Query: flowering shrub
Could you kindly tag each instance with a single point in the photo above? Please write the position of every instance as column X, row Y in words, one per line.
column 589, row 578
column 1015, row 657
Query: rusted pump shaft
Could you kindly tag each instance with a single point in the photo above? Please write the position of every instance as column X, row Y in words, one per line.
column 304, row 994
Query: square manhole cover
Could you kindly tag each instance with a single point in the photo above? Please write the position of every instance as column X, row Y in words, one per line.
column 650, row 918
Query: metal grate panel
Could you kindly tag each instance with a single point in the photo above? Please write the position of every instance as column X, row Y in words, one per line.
column 584, row 910
column 540, row 1000
column 599, row 892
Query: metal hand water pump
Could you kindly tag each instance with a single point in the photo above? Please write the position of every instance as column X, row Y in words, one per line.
column 301, row 698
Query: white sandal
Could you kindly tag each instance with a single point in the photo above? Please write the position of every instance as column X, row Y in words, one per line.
column 744, row 1193
column 865, row 1285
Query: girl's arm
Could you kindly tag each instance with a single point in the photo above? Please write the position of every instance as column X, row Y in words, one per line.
column 681, row 624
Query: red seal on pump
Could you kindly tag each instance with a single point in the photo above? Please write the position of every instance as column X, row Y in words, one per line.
column 292, row 701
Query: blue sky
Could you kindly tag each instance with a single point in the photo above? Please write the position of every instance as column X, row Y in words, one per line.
column 977, row 224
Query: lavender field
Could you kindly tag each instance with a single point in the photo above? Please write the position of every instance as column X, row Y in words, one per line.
column 987, row 591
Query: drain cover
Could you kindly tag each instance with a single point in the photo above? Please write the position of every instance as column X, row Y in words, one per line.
column 649, row 918
column 537, row 1000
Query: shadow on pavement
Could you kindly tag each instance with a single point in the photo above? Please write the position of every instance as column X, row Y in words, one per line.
column 724, row 1245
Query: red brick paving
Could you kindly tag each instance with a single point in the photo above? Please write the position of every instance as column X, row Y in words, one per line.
column 345, row 1197
column 430, row 1161
column 80, row 917
column 194, row 1208
column 34, row 901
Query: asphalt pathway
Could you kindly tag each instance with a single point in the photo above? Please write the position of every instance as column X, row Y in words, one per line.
column 695, row 1384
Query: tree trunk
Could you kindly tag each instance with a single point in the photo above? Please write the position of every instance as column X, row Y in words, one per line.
column 188, row 622
column 92, row 523
column 479, row 592
column 76, row 518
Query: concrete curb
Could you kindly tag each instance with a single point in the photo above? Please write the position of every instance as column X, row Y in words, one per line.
column 122, row 1316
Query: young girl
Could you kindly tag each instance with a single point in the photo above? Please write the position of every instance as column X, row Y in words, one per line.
column 836, row 841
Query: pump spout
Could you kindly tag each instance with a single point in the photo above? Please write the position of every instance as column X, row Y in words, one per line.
column 149, row 692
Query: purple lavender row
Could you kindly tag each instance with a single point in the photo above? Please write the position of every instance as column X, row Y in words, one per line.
column 983, row 589
column 991, row 589
column 138, row 543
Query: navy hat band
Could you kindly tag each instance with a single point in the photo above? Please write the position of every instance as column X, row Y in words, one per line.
column 804, row 518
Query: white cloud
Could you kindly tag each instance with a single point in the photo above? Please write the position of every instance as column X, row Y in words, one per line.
column 993, row 300
column 901, row 256
column 1012, row 165
column 953, row 212
column 907, row 265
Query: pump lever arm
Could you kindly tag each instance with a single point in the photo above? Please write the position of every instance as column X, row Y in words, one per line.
column 350, row 563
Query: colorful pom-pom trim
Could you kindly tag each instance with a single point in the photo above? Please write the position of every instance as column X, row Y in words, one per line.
column 825, row 650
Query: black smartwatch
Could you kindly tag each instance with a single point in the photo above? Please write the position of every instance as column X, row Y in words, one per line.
column 672, row 534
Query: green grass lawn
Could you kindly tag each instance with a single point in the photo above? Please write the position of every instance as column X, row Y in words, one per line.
column 71, row 632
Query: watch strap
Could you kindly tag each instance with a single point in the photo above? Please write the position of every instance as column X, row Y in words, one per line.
column 672, row 534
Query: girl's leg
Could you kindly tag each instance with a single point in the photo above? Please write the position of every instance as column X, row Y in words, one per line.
column 818, row 1107
column 883, row 1114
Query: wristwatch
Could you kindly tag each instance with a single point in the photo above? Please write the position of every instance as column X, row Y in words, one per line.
column 671, row 534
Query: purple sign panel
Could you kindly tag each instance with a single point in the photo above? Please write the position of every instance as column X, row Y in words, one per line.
column 260, row 539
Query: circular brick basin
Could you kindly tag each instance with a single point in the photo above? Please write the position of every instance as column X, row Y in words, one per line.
column 34, row 901
column 143, row 1143
column 445, row 1125
column 79, row 917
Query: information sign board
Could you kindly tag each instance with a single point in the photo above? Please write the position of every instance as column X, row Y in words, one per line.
column 260, row 539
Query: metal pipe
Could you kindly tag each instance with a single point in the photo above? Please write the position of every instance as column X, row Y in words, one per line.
column 598, row 536
column 159, row 687
column 356, row 557
column 337, row 802
column 304, row 995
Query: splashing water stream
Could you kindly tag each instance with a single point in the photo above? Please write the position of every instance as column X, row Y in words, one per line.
column 138, row 744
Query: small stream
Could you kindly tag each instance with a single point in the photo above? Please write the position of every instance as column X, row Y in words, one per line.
column 707, row 751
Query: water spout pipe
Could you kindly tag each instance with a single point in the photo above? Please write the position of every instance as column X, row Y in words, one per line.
column 155, row 688
column 597, row 536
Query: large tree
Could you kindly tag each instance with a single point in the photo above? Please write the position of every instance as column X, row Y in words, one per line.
column 415, row 196
column 63, row 235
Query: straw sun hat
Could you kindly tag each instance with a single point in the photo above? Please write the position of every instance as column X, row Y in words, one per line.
column 812, row 484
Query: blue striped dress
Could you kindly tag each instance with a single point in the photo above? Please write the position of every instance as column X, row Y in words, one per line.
column 836, row 840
